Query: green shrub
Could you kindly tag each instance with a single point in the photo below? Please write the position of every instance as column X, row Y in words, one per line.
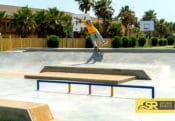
column 125, row 41
column 170, row 40
column 53, row 41
column 132, row 42
column 116, row 42
column 154, row 41
column 88, row 43
column 142, row 41
column 162, row 42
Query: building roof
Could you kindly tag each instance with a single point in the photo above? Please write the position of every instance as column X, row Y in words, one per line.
column 11, row 9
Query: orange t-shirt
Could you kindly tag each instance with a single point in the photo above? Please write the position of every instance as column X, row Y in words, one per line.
column 90, row 27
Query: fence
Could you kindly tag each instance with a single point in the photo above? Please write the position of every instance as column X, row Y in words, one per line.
column 11, row 43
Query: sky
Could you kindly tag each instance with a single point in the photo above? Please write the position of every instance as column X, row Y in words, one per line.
column 163, row 8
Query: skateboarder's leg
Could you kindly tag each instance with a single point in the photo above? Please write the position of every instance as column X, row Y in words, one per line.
column 93, row 40
column 100, row 38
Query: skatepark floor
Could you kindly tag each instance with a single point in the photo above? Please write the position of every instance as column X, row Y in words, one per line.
column 79, row 106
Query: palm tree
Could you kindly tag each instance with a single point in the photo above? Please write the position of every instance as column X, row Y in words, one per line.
column 170, row 27
column 41, row 20
column 115, row 29
column 104, row 10
column 66, row 23
column 3, row 15
column 85, row 5
column 23, row 21
column 150, row 15
column 127, row 17
column 162, row 28
column 55, row 21
column 52, row 21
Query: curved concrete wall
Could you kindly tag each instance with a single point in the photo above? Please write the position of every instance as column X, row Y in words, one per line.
column 33, row 60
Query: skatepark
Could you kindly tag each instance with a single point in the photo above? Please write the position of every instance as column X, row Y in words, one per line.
column 157, row 64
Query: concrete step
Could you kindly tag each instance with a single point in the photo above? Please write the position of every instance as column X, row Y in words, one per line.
column 24, row 111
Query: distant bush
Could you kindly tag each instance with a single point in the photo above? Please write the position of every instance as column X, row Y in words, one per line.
column 132, row 42
column 53, row 41
column 116, row 42
column 154, row 41
column 88, row 43
column 125, row 41
column 170, row 40
column 142, row 41
column 162, row 42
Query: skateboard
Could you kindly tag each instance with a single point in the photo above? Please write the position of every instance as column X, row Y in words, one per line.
column 96, row 49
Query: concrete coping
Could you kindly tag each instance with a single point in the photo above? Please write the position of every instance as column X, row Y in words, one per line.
column 111, row 50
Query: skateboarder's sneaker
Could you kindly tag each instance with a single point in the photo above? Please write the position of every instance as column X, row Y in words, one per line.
column 104, row 43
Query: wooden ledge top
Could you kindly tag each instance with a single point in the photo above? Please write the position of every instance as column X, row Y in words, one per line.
column 103, row 78
column 19, row 104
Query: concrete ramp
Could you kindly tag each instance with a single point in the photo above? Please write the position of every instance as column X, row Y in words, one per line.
column 150, row 61
column 24, row 111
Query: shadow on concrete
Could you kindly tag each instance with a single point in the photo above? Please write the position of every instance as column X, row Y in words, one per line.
column 95, row 57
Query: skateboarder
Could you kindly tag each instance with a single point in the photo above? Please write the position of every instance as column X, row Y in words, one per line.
column 93, row 32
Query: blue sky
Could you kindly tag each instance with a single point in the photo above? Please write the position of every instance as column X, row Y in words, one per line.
column 163, row 8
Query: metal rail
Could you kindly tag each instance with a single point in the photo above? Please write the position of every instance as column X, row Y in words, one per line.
column 96, row 84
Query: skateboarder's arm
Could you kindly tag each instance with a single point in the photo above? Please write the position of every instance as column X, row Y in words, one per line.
column 77, row 18
column 83, row 21
column 93, row 22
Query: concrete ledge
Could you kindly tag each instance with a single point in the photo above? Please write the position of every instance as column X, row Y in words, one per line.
column 11, row 110
column 139, row 74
